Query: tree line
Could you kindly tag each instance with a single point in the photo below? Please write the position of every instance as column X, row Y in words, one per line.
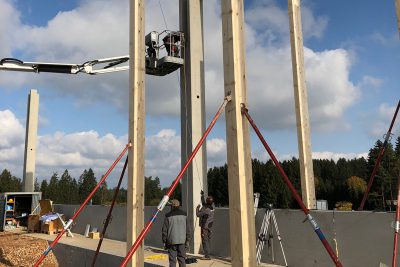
column 65, row 189
column 335, row 181
column 342, row 181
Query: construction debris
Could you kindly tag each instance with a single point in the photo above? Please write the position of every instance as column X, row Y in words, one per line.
column 21, row 250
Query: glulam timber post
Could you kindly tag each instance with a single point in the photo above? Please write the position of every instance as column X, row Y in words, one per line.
column 301, row 106
column 135, row 201
column 241, row 202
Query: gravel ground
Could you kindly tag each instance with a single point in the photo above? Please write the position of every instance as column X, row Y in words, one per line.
column 17, row 249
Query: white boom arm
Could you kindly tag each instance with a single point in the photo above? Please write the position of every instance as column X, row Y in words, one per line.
column 11, row 64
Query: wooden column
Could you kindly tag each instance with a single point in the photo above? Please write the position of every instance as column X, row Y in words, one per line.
column 32, row 118
column 241, row 203
column 301, row 106
column 135, row 202
column 398, row 14
column 193, row 112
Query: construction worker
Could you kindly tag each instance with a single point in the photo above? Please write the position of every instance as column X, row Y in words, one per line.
column 206, row 215
column 176, row 234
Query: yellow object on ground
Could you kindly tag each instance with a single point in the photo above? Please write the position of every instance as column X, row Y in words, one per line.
column 344, row 206
column 157, row 257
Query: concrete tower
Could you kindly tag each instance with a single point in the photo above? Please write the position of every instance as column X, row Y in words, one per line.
column 30, row 141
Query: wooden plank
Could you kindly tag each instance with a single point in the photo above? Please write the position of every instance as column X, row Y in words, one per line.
column 193, row 112
column 241, row 203
column 301, row 106
column 135, row 205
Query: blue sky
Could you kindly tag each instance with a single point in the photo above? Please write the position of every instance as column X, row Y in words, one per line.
column 352, row 55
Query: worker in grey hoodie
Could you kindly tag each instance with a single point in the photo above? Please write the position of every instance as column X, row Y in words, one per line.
column 176, row 234
column 206, row 215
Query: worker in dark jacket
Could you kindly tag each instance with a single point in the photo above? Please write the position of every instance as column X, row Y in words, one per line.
column 176, row 234
column 206, row 215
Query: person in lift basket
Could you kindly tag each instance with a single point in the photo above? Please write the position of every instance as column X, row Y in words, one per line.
column 206, row 215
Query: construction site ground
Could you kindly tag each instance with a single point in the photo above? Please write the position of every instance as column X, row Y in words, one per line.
column 19, row 248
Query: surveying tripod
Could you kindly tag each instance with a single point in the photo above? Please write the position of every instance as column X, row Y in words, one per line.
column 265, row 236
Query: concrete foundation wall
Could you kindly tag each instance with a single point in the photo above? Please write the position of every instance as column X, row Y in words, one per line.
column 363, row 238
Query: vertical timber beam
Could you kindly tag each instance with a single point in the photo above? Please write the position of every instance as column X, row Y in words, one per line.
column 301, row 106
column 241, row 203
column 135, row 205
column 397, row 3
column 193, row 111
column 30, row 141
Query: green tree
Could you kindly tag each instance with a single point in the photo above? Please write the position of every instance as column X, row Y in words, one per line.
column 36, row 186
column 356, row 188
column 68, row 189
column 9, row 183
column 43, row 188
column 397, row 148
column 53, row 189
column 218, row 185
column 153, row 192
column 122, row 195
column 87, row 182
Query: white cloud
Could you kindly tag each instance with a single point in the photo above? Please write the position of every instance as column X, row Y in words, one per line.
column 82, row 150
column 97, row 29
column 11, row 130
column 336, row 156
column 380, row 120
column 271, row 23
column 385, row 40
column 371, row 82
column 216, row 152
column 9, row 22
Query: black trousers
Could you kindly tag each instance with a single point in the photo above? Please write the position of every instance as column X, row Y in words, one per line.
column 177, row 251
column 205, row 241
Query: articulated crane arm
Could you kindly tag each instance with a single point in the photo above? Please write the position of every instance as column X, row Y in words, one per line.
column 157, row 63
column 105, row 65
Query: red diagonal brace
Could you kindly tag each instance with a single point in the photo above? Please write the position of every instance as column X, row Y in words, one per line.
column 165, row 199
column 312, row 221
column 51, row 246
column 378, row 160
column 109, row 215
column 397, row 225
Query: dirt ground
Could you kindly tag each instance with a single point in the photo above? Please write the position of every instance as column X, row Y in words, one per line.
column 17, row 249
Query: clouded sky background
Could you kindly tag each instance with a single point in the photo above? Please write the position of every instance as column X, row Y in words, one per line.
column 352, row 55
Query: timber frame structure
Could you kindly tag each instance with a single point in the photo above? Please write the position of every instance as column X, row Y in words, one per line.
column 192, row 106
column 241, row 212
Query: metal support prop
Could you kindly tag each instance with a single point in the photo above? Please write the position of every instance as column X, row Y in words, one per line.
column 109, row 215
column 312, row 221
column 397, row 225
column 174, row 184
column 378, row 160
column 69, row 223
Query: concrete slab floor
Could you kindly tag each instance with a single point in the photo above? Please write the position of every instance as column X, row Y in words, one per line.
column 153, row 256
